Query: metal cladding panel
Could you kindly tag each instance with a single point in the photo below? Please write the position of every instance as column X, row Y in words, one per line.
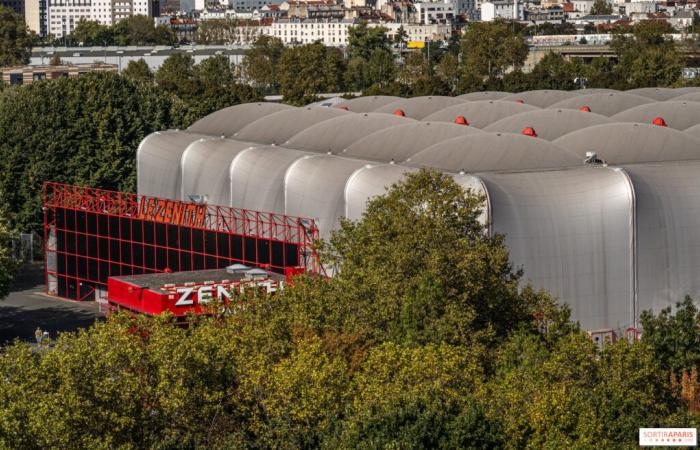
column 257, row 177
column 420, row 107
column 335, row 135
column 158, row 163
column 572, row 233
column 373, row 181
column 630, row 143
column 668, row 220
column 494, row 152
column 482, row 113
column 367, row 104
column 679, row 114
column 205, row 169
column 540, row 98
column 401, row 142
column 549, row 124
column 281, row 126
column 484, row 95
column 605, row 103
column 656, row 93
column 694, row 131
column 316, row 185
column 228, row 121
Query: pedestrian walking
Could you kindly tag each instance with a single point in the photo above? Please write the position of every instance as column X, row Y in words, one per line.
column 38, row 334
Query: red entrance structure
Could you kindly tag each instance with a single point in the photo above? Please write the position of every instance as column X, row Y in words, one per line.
column 92, row 234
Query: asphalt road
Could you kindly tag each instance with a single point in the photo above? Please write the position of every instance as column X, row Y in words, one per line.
column 27, row 307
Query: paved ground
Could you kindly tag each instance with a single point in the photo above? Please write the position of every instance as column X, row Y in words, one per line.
column 27, row 307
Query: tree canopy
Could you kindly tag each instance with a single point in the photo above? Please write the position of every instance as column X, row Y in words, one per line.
column 15, row 39
column 133, row 30
column 423, row 340
column 83, row 131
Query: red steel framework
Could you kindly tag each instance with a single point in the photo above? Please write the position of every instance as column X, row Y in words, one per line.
column 91, row 234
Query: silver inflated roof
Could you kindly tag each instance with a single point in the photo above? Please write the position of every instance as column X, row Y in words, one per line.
column 280, row 126
column 258, row 175
column 228, row 121
column 610, row 241
column 549, row 124
column 367, row 104
column 494, row 152
column 335, row 135
column 204, row 174
column 540, row 98
column 677, row 114
column 484, row 95
column 158, row 163
column 420, row 107
column 656, row 93
column 694, row 131
column 667, row 197
column 571, row 231
column 628, row 143
column 692, row 96
column 371, row 181
column 401, row 142
column 315, row 186
column 605, row 103
column 480, row 113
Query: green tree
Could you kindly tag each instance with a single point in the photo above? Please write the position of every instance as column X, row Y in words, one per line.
column 260, row 62
column 417, row 398
column 83, row 130
column 176, row 75
column 601, row 8
column 15, row 39
column 565, row 393
column 448, row 71
column 8, row 265
column 414, row 270
column 554, row 72
column 91, row 33
column 307, row 70
column 141, row 30
column 138, row 71
column 400, row 37
column 363, row 40
column 216, row 32
column 673, row 335
column 648, row 57
column 490, row 49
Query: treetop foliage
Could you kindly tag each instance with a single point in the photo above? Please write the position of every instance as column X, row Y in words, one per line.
column 15, row 39
column 133, row 30
column 380, row 356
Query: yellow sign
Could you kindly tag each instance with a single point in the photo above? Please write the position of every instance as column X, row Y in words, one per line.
column 416, row 44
